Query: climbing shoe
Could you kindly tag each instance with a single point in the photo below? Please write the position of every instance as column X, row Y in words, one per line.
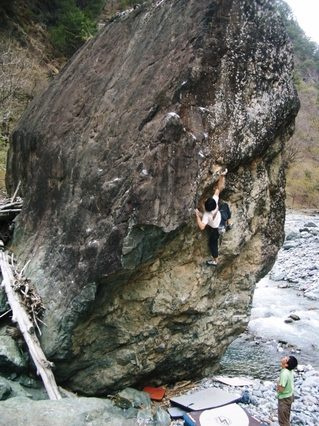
column 230, row 226
column 224, row 173
column 211, row 263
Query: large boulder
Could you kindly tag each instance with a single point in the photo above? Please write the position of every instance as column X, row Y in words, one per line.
column 114, row 157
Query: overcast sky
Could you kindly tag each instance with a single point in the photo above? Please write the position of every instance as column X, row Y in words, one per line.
column 306, row 13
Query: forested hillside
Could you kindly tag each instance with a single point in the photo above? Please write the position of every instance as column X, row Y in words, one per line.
column 302, row 153
column 37, row 38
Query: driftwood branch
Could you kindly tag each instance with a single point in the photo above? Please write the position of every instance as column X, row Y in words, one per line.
column 26, row 327
column 5, row 313
column 17, row 204
column 15, row 192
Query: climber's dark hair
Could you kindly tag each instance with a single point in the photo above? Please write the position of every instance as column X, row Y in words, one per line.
column 210, row 204
column 292, row 363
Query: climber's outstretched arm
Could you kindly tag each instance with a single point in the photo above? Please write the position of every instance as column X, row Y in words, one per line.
column 220, row 183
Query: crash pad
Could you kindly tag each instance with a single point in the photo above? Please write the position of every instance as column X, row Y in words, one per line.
column 233, row 381
column 176, row 412
column 205, row 399
column 231, row 414
column 155, row 393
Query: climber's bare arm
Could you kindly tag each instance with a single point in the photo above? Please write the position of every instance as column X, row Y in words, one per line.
column 220, row 183
column 200, row 224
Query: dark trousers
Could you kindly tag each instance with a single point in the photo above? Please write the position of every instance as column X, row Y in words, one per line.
column 213, row 242
column 284, row 409
column 224, row 213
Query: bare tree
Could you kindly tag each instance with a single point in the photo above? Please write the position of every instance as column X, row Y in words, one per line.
column 293, row 152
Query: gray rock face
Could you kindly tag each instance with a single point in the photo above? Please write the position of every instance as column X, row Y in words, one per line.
column 114, row 157
column 66, row 412
column 3, row 301
column 127, row 408
column 11, row 358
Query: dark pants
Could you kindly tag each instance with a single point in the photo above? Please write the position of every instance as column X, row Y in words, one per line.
column 284, row 409
column 213, row 242
column 224, row 213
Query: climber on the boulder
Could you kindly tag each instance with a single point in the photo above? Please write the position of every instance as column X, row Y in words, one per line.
column 212, row 217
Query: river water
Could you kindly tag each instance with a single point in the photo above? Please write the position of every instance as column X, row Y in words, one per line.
column 290, row 288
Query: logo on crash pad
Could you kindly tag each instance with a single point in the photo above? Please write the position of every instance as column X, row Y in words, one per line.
column 221, row 420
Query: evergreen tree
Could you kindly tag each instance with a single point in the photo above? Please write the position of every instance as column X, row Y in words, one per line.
column 75, row 24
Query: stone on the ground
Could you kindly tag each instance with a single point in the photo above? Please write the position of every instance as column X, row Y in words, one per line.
column 11, row 358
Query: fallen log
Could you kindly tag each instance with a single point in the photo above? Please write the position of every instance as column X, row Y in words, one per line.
column 20, row 316
column 5, row 207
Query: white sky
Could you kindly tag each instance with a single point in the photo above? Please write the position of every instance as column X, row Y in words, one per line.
column 306, row 13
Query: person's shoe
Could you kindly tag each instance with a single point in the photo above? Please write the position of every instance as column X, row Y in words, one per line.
column 224, row 173
column 230, row 226
column 211, row 263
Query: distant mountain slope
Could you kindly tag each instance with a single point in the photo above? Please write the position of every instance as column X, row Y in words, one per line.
column 303, row 148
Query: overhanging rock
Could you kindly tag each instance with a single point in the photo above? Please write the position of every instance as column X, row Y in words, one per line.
column 114, row 157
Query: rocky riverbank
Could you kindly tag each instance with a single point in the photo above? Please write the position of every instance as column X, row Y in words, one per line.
column 298, row 260
column 260, row 398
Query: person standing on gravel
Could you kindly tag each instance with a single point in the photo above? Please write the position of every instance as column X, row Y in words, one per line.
column 212, row 218
column 285, row 389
